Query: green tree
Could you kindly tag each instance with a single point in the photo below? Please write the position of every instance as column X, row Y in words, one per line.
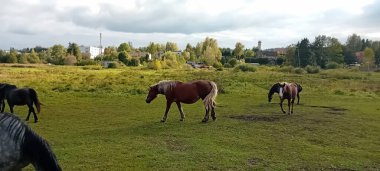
column 110, row 54
column 291, row 58
column 369, row 57
column 210, row 51
column 249, row 53
column 124, row 57
column 154, row 49
column 74, row 50
column 126, row 47
column 319, row 49
column 171, row 46
column 58, row 55
column 305, row 53
column 22, row 58
column 334, row 51
column 239, row 50
column 33, row 57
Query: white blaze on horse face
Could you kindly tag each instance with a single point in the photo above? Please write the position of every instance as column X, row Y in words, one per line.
column 281, row 93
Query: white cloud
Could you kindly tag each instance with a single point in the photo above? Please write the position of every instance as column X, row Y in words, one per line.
column 276, row 23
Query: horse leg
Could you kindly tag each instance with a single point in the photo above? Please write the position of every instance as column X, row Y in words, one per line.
column 281, row 101
column 205, row 119
column 288, row 106
column 168, row 104
column 213, row 114
column 292, row 106
column 180, row 111
column 11, row 108
column 31, row 109
column 298, row 99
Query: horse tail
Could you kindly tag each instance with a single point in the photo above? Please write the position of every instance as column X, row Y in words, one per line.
column 34, row 97
column 209, row 100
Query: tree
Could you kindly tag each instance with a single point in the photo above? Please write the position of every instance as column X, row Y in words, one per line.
column 74, row 50
column 154, row 49
column 124, row 47
column 249, row 53
column 70, row 60
column 305, row 53
column 210, row 52
column 239, row 50
column 319, row 48
column 290, row 56
column 124, row 57
column 22, row 58
column 334, row 51
column 354, row 43
column 33, row 57
column 171, row 46
column 58, row 54
column 369, row 57
column 110, row 54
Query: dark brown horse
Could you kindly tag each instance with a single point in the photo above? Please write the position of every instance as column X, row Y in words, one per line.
column 287, row 91
column 191, row 92
column 22, row 96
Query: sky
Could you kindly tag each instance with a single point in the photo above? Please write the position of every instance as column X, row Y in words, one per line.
column 277, row 23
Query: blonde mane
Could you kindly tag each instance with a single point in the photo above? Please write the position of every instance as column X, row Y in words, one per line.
column 165, row 85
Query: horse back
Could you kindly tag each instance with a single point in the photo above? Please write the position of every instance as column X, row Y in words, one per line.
column 291, row 90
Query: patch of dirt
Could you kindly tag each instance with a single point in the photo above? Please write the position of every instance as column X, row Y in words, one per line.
column 176, row 145
column 332, row 109
column 258, row 118
column 254, row 161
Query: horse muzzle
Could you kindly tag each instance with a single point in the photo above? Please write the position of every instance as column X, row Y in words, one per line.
column 148, row 101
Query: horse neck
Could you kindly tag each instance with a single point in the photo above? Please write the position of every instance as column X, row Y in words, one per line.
column 39, row 153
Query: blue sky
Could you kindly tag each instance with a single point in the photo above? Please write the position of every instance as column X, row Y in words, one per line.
column 277, row 23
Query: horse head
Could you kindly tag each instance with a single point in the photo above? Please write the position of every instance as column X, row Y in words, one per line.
column 153, row 91
column 275, row 89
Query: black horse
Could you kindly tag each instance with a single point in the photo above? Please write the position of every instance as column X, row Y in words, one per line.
column 23, row 96
column 20, row 146
column 276, row 89
column 2, row 97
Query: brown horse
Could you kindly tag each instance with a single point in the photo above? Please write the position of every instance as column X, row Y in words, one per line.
column 288, row 91
column 191, row 92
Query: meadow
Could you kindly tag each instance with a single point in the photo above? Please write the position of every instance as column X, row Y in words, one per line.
column 97, row 119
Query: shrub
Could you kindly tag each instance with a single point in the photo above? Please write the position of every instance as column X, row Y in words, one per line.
column 245, row 68
column 312, row 69
column 218, row 66
column 155, row 64
column 70, row 60
column 134, row 62
column 86, row 62
column 113, row 65
column 299, row 71
column 227, row 65
column 332, row 65
column 233, row 62
column 288, row 69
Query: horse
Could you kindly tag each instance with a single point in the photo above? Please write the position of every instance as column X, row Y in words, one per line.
column 2, row 103
column 21, row 146
column 23, row 96
column 287, row 91
column 188, row 93
column 276, row 89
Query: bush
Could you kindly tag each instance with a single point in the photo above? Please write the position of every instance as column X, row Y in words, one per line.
column 332, row 65
column 113, row 65
column 312, row 69
column 299, row 71
column 245, row 68
column 86, row 62
column 134, row 62
column 70, row 60
column 233, row 62
column 288, row 69
column 227, row 65
column 218, row 66
column 155, row 64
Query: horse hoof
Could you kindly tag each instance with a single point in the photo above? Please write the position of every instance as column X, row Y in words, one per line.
column 35, row 121
column 204, row 120
column 214, row 119
column 182, row 120
column 163, row 120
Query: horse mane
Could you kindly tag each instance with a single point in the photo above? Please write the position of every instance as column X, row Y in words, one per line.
column 33, row 148
column 165, row 85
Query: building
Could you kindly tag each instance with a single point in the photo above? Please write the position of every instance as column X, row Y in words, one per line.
column 92, row 50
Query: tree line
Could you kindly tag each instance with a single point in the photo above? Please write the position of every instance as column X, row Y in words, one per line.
column 322, row 52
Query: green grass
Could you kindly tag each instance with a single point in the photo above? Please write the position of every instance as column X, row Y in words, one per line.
column 98, row 120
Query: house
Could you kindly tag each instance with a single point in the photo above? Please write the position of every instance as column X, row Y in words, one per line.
column 92, row 50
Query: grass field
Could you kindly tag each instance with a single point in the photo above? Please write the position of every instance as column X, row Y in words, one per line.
column 97, row 119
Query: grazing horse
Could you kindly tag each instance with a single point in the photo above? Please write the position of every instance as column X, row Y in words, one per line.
column 23, row 96
column 276, row 89
column 287, row 91
column 191, row 92
column 20, row 146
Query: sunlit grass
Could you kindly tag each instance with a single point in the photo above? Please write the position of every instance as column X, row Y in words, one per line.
column 97, row 119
